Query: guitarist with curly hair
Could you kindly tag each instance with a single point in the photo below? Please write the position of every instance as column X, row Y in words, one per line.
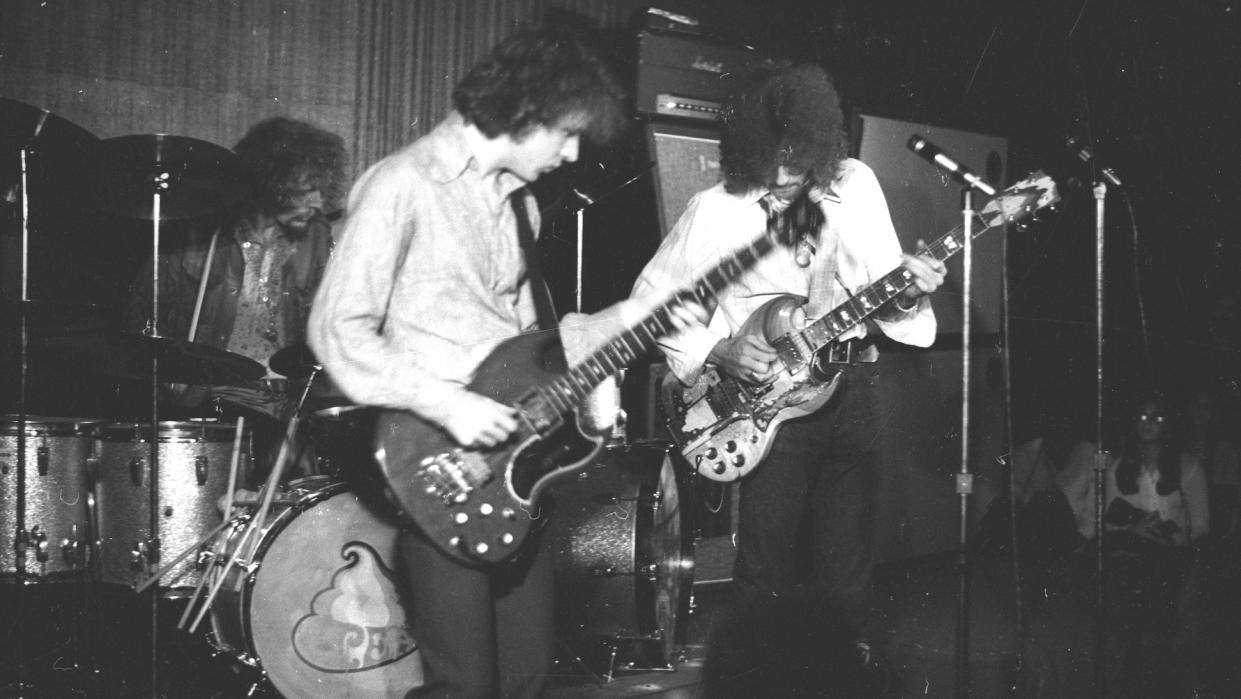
column 784, row 145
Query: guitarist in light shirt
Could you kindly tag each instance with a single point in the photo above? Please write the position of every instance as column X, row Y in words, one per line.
column 784, row 139
column 429, row 276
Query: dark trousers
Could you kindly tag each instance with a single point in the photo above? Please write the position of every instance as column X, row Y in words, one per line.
column 820, row 473
column 483, row 632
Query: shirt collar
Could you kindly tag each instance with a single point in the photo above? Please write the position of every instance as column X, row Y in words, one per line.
column 452, row 156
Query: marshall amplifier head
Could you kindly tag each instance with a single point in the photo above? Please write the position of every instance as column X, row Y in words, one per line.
column 686, row 77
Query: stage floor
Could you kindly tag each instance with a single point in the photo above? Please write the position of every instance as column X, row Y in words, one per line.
column 913, row 630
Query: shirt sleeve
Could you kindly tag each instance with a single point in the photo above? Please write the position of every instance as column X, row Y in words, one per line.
column 347, row 329
column 672, row 268
column 917, row 326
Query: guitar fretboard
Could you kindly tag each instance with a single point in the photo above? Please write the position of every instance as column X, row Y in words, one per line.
column 796, row 348
column 548, row 404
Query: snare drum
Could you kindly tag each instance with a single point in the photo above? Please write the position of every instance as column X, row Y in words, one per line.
column 57, row 494
column 194, row 461
column 320, row 614
column 624, row 560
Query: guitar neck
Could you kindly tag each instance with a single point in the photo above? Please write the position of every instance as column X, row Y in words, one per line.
column 865, row 303
column 548, row 403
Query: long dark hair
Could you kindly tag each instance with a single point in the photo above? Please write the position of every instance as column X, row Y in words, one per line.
column 782, row 114
column 537, row 78
column 1130, row 465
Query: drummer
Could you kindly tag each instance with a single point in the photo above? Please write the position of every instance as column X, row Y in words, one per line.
column 266, row 255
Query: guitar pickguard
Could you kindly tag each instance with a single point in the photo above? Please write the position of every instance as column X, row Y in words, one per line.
column 726, row 427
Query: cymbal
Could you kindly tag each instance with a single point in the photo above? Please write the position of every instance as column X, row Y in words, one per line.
column 58, row 153
column 294, row 362
column 180, row 361
column 192, row 177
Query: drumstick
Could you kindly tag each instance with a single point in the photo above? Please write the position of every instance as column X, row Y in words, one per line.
column 269, row 492
column 232, row 467
column 180, row 557
column 202, row 286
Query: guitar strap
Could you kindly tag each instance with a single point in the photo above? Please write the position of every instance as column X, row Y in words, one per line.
column 545, row 313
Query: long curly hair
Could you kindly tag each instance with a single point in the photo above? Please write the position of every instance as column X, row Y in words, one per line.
column 283, row 156
column 1130, row 464
column 780, row 114
column 538, row 78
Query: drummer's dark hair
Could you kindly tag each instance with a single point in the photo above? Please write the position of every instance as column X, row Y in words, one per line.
column 283, row 154
column 536, row 78
column 782, row 114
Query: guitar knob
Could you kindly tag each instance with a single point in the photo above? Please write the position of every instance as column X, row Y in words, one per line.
column 481, row 548
column 485, row 509
column 730, row 446
column 506, row 539
column 719, row 467
column 461, row 518
column 739, row 460
column 712, row 453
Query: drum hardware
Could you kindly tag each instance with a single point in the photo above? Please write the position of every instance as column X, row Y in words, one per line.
column 267, row 495
column 624, row 564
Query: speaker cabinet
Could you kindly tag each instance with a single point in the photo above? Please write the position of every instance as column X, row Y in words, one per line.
column 925, row 204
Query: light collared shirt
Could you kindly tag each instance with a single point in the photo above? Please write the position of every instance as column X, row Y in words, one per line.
column 426, row 279
column 717, row 223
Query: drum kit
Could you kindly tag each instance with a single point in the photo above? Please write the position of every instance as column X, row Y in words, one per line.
column 297, row 580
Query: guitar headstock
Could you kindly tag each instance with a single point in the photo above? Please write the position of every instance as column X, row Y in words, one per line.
column 1026, row 199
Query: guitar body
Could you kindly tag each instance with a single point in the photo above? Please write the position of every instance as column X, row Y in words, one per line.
column 726, row 426
column 478, row 506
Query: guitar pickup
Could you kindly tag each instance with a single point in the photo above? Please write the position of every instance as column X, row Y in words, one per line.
column 451, row 478
column 838, row 353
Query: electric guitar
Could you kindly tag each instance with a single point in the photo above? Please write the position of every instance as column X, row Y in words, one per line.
column 725, row 426
column 479, row 505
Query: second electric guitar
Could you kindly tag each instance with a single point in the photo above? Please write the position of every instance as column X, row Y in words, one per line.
column 724, row 426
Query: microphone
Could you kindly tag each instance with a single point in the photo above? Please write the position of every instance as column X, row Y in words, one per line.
column 1086, row 155
column 932, row 154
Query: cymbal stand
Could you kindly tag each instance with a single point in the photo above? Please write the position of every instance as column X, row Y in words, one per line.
column 21, row 537
column 160, row 183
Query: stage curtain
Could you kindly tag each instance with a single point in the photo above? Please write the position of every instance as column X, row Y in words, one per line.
column 377, row 72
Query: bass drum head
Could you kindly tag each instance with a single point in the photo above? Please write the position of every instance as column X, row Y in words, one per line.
column 624, row 560
column 325, row 615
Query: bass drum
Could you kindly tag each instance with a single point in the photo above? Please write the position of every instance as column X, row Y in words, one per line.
column 320, row 613
column 624, row 560
column 58, row 493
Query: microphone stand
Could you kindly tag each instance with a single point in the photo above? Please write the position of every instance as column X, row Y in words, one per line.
column 1101, row 456
column 964, row 479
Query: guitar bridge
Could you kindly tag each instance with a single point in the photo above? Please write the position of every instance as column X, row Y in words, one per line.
column 451, row 478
